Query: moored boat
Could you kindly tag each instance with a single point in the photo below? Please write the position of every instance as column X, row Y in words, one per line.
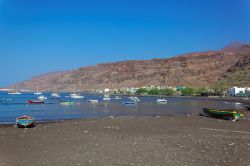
column 76, row 96
column 35, row 101
column 106, row 97
column 232, row 115
column 134, row 99
column 67, row 103
column 161, row 101
column 117, row 98
column 55, row 95
column 25, row 121
column 37, row 91
column 129, row 103
column 14, row 93
column 42, row 97
column 92, row 101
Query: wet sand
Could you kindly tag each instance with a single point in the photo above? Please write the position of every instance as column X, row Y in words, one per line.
column 181, row 140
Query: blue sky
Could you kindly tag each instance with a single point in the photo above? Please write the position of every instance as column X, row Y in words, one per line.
column 39, row 36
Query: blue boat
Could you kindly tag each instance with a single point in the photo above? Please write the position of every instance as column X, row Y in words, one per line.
column 129, row 103
column 25, row 121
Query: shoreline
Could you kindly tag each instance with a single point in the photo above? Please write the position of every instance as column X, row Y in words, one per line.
column 181, row 140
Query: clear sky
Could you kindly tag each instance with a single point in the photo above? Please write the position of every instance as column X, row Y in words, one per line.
column 38, row 36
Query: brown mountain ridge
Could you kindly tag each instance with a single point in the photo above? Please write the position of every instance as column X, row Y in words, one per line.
column 229, row 66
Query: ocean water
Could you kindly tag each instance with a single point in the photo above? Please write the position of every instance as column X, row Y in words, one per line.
column 13, row 106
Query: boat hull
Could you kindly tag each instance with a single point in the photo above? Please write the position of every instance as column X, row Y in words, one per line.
column 25, row 121
column 67, row 103
column 129, row 103
column 222, row 114
column 35, row 102
column 93, row 101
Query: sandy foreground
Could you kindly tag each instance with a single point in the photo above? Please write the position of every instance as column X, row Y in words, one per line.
column 181, row 140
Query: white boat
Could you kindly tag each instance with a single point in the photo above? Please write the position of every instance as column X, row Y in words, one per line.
column 106, row 97
column 117, row 98
column 135, row 99
column 56, row 95
column 37, row 91
column 14, row 93
column 92, row 101
column 161, row 101
column 76, row 96
column 42, row 97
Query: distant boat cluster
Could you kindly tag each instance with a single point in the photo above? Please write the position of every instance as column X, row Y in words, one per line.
column 41, row 99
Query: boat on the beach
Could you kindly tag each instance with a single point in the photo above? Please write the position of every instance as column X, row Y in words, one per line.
column 36, row 101
column 92, row 101
column 161, row 100
column 129, row 103
column 25, row 121
column 224, row 114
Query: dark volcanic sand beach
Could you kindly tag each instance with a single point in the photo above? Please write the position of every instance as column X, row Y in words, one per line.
column 182, row 140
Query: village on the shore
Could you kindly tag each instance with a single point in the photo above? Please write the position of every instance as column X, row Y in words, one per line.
column 179, row 91
column 169, row 91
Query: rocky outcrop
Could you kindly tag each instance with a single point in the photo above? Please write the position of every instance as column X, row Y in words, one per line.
column 238, row 74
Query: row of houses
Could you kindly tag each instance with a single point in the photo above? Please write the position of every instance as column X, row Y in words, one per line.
column 234, row 91
column 132, row 90
column 239, row 91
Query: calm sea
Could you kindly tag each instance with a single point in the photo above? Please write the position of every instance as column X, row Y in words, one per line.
column 12, row 106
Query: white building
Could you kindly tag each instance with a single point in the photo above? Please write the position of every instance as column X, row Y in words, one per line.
column 107, row 90
column 237, row 90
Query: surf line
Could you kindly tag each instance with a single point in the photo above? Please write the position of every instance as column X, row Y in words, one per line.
column 233, row 131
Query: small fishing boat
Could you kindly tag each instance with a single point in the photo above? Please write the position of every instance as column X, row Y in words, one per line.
column 36, row 101
column 67, row 103
column 37, row 91
column 117, row 98
column 55, row 95
column 42, row 97
column 76, row 96
column 129, row 103
column 25, row 121
column 106, row 97
column 161, row 101
column 92, row 101
column 134, row 99
column 232, row 115
column 14, row 93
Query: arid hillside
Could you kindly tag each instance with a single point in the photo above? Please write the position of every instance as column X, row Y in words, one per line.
column 203, row 69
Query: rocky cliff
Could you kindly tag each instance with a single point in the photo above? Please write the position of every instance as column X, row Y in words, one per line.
column 195, row 69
